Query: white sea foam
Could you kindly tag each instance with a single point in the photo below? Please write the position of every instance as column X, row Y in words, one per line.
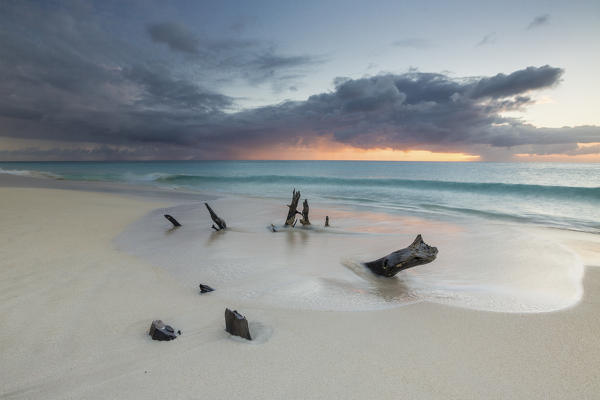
column 493, row 266
column 32, row 174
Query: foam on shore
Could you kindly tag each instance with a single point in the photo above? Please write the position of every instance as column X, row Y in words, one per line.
column 493, row 267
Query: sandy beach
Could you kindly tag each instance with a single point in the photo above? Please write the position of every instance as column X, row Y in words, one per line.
column 75, row 313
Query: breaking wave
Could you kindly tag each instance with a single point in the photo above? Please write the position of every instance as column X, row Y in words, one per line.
column 582, row 193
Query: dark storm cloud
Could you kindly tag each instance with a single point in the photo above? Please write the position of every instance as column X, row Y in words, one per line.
column 413, row 110
column 162, row 90
column 517, row 82
column 66, row 79
column 253, row 60
column 538, row 21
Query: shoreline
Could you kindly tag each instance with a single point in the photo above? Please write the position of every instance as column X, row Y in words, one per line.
column 77, row 313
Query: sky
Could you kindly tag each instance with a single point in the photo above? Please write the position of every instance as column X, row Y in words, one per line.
column 354, row 80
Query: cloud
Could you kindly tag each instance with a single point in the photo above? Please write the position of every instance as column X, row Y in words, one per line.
column 413, row 43
column 538, row 21
column 230, row 58
column 530, row 78
column 242, row 23
column 159, row 89
column 66, row 78
column 487, row 39
column 174, row 35
column 414, row 110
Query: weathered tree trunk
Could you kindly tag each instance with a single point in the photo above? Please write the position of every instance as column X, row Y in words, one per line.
column 304, row 220
column 417, row 253
column 220, row 223
column 172, row 220
column 236, row 324
column 327, row 220
column 293, row 209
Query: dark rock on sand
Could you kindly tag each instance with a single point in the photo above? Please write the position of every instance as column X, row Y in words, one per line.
column 236, row 324
column 160, row 331
column 205, row 288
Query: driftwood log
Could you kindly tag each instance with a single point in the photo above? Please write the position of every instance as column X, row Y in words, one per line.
column 220, row 222
column 417, row 253
column 172, row 220
column 293, row 209
column 304, row 220
column 236, row 324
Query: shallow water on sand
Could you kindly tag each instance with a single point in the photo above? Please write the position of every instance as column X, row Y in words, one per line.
column 485, row 266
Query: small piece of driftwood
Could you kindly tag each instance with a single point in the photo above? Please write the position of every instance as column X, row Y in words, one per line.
column 220, row 222
column 327, row 220
column 293, row 209
column 417, row 253
column 160, row 331
column 236, row 324
column 304, row 220
column 205, row 288
column 172, row 220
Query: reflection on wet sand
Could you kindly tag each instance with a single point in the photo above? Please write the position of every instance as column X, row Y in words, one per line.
column 388, row 289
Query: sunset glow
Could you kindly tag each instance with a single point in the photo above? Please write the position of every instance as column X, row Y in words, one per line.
column 339, row 152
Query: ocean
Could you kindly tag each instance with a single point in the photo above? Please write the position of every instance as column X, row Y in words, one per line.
column 559, row 195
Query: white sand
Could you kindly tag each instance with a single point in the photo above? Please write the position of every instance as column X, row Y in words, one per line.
column 75, row 313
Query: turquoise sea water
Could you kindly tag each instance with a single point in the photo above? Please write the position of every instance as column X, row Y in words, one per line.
column 551, row 194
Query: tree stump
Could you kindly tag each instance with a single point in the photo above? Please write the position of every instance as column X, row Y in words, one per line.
column 236, row 324
column 417, row 253
column 172, row 220
column 293, row 209
column 220, row 222
column 304, row 220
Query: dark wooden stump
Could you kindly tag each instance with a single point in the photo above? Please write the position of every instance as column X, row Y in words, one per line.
column 417, row 253
column 220, row 222
column 304, row 220
column 173, row 221
column 293, row 209
column 160, row 331
column 236, row 324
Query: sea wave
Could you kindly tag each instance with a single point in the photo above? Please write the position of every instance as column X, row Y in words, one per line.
column 568, row 192
column 31, row 174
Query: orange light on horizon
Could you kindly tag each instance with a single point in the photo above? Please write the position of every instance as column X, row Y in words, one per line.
column 325, row 149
